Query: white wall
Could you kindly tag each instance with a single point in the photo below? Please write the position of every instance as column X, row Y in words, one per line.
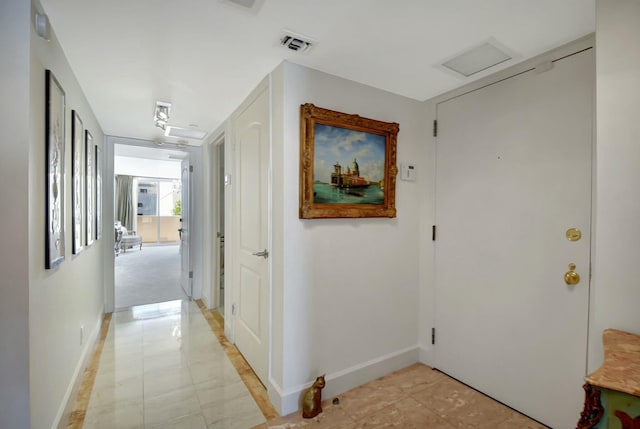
column 615, row 290
column 14, row 219
column 63, row 299
column 108, row 207
column 426, row 270
column 142, row 167
column 277, row 234
column 351, row 317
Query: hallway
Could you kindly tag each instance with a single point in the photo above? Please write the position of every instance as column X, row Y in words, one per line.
column 162, row 366
column 168, row 365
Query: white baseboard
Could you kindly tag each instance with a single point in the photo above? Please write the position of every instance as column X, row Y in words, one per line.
column 274, row 391
column 288, row 401
column 69, row 400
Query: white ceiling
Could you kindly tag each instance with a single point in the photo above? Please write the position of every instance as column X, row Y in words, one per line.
column 205, row 56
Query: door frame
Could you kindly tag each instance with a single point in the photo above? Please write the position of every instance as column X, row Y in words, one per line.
column 187, row 194
column 216, row 214
column 429, row 299
column 468, row 108
column 575, row 47
column 232, row 225
column 108, row 209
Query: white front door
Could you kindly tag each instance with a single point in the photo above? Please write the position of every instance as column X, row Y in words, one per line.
column 251, row 274
column 186, row 274
column 513, row 175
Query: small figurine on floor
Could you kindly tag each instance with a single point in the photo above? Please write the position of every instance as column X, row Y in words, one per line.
column 312, row 401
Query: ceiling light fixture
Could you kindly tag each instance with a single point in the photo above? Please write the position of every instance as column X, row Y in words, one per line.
column 161, row 114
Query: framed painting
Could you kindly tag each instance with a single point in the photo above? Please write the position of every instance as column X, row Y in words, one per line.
column 347, row 165
column 77, row 150
column 89, row 174
column 54, row 137
column 98, row 213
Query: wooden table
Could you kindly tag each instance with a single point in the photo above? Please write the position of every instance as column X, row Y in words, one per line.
column 612, row 393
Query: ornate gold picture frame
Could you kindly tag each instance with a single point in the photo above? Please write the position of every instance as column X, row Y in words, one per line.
column 347, row 165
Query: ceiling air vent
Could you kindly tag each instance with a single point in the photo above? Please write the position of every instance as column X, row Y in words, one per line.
column 296, row 42
column 186, row 133
column 478, row 59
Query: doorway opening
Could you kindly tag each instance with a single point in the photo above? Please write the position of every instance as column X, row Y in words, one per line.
column 219, row 211
column 149, row 205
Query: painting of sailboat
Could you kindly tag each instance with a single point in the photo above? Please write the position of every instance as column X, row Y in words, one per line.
column 355, row 175
column 347, row 165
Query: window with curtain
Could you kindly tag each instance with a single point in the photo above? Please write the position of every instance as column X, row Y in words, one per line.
column 124, row 201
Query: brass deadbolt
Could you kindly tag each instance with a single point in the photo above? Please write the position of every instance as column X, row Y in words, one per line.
column 573, row 234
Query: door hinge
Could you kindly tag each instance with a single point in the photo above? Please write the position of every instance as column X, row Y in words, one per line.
column 191, row 169
column 190, row 274
column 433, row 232
column 233, row 309
column 433, row 335
column 435, row 128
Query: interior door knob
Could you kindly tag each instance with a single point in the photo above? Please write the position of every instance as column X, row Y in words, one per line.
column 571, row 277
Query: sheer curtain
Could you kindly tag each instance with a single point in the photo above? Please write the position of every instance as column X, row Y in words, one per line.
column 124, row 201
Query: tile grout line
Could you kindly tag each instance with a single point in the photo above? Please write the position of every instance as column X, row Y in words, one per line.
column 248, row 377
column 77, row 416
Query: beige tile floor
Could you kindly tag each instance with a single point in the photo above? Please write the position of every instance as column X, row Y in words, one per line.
column 168, row 365
column 415, row 397
column 162, row 367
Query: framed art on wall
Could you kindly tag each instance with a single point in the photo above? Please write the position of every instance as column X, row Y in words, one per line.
column 89, row 171
column 54, row 137
column 77, row 150
column 347, row 165
column 98, row 212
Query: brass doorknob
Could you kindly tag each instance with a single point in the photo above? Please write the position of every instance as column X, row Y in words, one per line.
column 571, row 277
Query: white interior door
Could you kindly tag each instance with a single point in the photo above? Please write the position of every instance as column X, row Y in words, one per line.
column 186, row 273
column 251, row 131
column 513, row 174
